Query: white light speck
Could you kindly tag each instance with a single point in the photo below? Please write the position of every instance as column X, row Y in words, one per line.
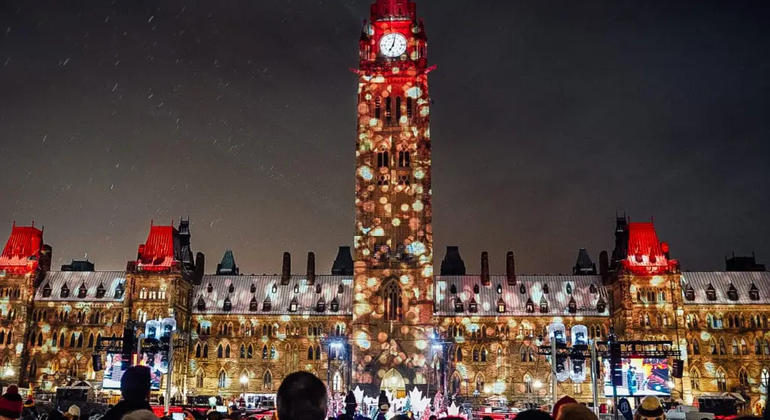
column 150, row 19
column 115, row 87
column 66, row 61
column 45, row 137
column 151, row 95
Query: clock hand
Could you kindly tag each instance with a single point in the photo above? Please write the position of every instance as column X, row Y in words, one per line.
column 394, row 44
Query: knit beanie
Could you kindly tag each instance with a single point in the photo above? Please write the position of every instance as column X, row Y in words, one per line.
column 11, row 403
column 650, row 409
column 563, row 401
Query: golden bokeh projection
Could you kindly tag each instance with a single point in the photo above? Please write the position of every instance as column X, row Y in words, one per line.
column 393, row 238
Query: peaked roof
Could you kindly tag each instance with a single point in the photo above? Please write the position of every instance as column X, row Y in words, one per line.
column 22, row 251
column 227, row 266
column 584, row 265
column 393, row 9
column 158, row 253
column 247, row 288
column 555, row 291
column 74, row 280
column 742, row 281
column 645, row 253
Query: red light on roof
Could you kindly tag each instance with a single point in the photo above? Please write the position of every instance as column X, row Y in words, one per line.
column 22, row 251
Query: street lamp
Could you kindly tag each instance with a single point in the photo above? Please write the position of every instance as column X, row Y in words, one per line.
column 537, row 385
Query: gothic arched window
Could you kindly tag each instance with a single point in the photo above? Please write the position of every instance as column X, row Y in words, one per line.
column 393, row 302
column 222, row 383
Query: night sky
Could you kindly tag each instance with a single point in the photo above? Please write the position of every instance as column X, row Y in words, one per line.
column 549, row 117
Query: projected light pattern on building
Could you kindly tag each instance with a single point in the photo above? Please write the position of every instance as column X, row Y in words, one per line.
column 383, row 318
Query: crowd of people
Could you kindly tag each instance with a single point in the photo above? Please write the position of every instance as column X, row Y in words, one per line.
column 301, row 396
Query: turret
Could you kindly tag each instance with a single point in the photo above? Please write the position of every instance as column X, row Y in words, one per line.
column 343, row 263
column 453, row 264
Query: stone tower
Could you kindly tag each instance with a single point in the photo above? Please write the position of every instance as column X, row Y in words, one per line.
column 393, row 258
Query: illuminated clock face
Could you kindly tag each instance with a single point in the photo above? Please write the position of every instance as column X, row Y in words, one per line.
column 393, row 45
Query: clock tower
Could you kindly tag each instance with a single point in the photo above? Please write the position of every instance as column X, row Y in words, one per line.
column 393, row 300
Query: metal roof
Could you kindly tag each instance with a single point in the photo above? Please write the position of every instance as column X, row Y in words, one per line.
column 280, row 300
column 515, row 301
column 74, row 279
column 742, row 280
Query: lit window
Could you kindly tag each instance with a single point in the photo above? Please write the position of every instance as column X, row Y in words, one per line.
column 393, row 302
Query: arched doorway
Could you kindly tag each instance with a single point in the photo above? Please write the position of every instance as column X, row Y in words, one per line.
column 394, row 382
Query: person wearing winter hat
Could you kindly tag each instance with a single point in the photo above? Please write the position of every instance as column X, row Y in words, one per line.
column 650, row 409
column 575, row 412
column 562, row 402
column 29, row 412
column 11, row 403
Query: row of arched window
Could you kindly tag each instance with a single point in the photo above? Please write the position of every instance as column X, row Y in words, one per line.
column 248, row 329
column 390, row 108
column 72, row 367
column 268, row 352
column 6, row 336
column 650, row 295
column 61, row 340
column 504, row 331
column 761, row 347
column 657, row 320
column 731, row 320
column 224, row 381
column 80, row 316
column 10, row 292
column 152, row 294
column 720, row 376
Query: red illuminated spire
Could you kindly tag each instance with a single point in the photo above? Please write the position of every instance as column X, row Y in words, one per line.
column 394, row 10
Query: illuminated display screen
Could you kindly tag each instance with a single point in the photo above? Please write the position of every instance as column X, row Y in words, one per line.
column 113, row 371
column 154, row 366
column 641, row 377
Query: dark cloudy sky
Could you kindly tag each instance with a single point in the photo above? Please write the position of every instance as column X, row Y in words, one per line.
column 549, row 117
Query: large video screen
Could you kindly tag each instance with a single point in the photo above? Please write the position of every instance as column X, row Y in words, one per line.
column 113, row 371
column 641, row 377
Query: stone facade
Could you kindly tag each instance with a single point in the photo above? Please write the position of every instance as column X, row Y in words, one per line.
column 383, row 318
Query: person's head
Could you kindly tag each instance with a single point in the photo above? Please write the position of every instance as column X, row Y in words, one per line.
column 533, row 415
column 432, row 417
column 301, row 396
column 575, row 412
column 73, row 413
column 140, row 415
column 650, row 409
column 486, row 418
column 11, row 404
column 562, row 402
column 135, row 383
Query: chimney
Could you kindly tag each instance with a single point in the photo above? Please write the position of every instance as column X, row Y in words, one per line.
column 510, row 268
column 485, row 269
column 310, row 268
column 46, row 255
column 604, row 266
column 286, row 271
column 200, row 268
